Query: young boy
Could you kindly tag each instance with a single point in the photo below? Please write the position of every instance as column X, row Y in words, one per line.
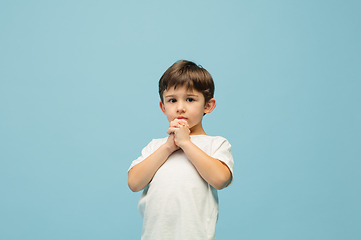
column 180, row 174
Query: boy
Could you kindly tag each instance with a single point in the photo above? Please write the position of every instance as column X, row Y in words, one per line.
column 180, row 174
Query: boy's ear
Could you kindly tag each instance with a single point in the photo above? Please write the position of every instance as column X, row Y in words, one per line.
column 210, row 105
column 161, row 105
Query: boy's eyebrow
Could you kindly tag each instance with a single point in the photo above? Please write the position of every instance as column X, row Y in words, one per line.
column 188, row 94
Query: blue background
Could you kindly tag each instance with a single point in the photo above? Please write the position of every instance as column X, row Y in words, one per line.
column 78, row 102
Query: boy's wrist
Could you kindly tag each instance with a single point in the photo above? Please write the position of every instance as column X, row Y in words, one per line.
column 184, row 143
column 168, row 149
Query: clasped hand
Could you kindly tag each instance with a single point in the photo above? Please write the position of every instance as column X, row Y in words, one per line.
column 178, row 132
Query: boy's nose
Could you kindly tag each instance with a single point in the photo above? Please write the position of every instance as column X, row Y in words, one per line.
column 180, row 108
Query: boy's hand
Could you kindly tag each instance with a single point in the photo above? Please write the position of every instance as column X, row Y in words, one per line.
column 181, row 135
column 171, row 143
column 175, row 124
column 180, row 130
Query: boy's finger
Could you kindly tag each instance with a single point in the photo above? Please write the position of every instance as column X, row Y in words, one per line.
column 174, row 125
column 182, row 121
column 177, row 124
column 171, row 130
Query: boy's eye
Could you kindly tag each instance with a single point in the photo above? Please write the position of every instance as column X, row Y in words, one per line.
column 172, row 100
column 190, row 99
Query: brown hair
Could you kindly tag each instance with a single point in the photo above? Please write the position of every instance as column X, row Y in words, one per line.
column 188, row 74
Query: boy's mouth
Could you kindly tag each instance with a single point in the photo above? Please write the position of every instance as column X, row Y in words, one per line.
column 182, row 118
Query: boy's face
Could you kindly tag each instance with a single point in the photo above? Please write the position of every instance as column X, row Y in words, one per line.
column 183, row 103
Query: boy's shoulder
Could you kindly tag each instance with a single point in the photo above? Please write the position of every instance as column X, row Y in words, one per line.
column 211, row 138
column 197, row 139
column 157, row 142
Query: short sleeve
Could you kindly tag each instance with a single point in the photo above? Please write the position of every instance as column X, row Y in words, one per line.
column 145, row 153
column 148, row 150
column 221, row 150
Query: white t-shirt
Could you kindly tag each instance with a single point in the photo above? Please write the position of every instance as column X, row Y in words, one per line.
column 178, row 203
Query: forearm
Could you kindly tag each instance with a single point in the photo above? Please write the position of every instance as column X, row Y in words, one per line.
column 142, row 173
column 213, row 171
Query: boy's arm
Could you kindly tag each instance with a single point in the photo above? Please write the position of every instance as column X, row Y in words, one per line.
column 142, row 173
column 212, row 170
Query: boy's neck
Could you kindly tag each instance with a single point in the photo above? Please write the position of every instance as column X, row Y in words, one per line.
column 197, row 130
